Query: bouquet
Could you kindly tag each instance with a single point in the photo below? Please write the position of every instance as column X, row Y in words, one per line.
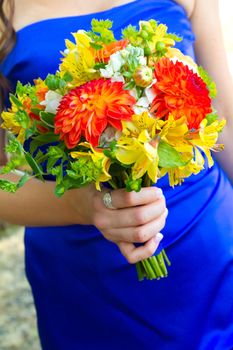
column 123, row 112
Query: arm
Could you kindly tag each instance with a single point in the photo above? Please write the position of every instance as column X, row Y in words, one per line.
column 138, row 217
column 211, row 55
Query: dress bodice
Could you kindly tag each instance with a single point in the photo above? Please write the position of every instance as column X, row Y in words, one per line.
column 38, row 48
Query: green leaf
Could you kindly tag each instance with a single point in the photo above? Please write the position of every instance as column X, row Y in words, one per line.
column 55, row 152
column 47, row 118
column 96, row 46
column 23, row 180
column 50, row 164
column 175, row 37
column 36, row 168
column 209, row 81
column 47, row 138
column 211, row 117
column 59, row 190
column 67, row 77
column 169, row 157
column 15, row 100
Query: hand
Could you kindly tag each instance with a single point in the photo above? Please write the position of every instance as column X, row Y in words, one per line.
column 138, row 218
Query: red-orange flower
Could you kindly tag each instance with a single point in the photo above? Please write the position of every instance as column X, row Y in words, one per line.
column 181, row 92
column 88, row 109
column 104, row 54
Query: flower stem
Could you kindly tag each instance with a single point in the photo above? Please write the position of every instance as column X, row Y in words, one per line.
column 153, row 267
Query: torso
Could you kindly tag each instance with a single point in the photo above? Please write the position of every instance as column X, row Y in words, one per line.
column 42, row 9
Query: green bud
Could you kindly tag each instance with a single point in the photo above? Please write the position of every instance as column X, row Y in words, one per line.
column 160, row 46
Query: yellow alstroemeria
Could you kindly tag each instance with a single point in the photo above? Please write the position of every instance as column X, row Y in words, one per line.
column 142, row 152
column 9, row 117
column 99, row 160
column 79, row 60
column 206, row 139
column 10, row 124
column 177, row 175
column 174, row 132
column 138, row 123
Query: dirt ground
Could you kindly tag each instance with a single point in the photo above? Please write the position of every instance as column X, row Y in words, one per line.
column 17, row 315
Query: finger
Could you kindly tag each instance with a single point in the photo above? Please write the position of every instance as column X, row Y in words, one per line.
column 139, row 234
column 123, row 199
column 132, row 217
column 134, row 254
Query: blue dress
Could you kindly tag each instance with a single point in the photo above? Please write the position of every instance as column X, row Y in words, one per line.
column 86, row 294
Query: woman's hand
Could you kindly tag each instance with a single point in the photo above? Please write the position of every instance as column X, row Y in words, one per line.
column 138, row 217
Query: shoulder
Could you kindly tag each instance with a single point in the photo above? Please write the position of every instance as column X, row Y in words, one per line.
column 188, row 5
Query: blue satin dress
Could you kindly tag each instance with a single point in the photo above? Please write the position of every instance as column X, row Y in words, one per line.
column 86, row 295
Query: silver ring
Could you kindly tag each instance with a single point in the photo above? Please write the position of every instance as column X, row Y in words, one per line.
column 107, row 199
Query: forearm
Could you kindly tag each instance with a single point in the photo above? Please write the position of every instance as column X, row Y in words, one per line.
column 211, row 54
column 35, row 204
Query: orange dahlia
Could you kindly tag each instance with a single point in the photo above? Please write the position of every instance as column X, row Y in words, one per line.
column 181, row 92
column 88, row 109
column 107, row 50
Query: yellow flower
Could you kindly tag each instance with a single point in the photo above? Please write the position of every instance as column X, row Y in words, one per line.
column 17, row 118
column 79, row 60
column 206, row 139
column 99, row 163
column 142, row 152
column 177, row 175
column 138, row 123
column 9, row 123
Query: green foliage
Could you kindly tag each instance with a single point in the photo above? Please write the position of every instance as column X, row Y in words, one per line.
column 36, row 168
column 13, row 164
column 133, row 185
column 56, row 82
column 169, row 157
column 8, row 186
column 22, row 118
column 211, row 86
column 12, row 187
column 211, row 117
column 101, row 32
column 130, row 32
column 174, row 37
column 47, row 119
column 13, row 146
column 48, row 137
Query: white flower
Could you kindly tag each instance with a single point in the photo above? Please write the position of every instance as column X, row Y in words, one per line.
column 133, row 93
column 149, row 93
column 52, row 100
column 139, row 110
column 118, row 78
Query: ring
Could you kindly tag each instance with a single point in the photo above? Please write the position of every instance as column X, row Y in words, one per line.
column 107, row 199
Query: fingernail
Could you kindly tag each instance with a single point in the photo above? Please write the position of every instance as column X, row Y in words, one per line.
column 159, row 193
column 158, row 237
column 166, row 212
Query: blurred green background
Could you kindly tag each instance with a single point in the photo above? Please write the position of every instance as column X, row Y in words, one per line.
column 17, row 316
